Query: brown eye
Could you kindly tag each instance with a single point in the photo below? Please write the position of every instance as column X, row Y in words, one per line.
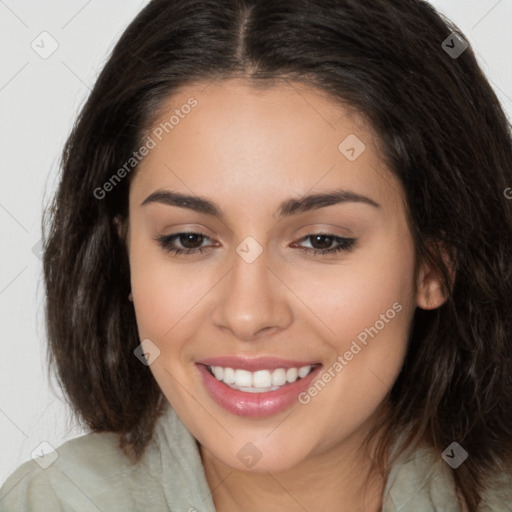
column 321, row 243
column 190, row 242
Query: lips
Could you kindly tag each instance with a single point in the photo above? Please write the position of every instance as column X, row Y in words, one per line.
column 256, row 387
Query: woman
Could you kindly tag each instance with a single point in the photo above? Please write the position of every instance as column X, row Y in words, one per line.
column 278, row 268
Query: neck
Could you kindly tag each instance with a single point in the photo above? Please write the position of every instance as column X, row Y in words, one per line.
column 340, row 479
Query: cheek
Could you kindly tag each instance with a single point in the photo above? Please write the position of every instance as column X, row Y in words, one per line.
column 162, row 292
column 164, row 296
column 168, row 298
column 368, row 287
column 366, row 307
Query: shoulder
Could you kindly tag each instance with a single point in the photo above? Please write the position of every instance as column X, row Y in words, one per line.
column 421, row 481
column 498, row 494
column 91, row 473
column 79, row 470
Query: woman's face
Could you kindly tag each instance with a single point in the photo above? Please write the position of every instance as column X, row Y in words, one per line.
column 268, row 172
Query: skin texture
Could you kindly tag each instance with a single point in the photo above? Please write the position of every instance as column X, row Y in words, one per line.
column 248, row 150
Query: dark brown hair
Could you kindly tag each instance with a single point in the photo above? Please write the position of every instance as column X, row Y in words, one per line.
column 442, row 132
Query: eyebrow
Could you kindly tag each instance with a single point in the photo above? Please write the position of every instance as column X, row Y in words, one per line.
column 287, row 208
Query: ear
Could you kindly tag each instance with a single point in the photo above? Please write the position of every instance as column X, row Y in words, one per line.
column 430, row 292
column 120, row 226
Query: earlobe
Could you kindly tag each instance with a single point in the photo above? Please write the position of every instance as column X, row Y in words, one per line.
column 430, row 294
column 121, row 228
column 430, row 290
column 118, row 223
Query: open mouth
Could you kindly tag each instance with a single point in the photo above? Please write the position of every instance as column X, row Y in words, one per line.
column 256, row 387
column 260, row 381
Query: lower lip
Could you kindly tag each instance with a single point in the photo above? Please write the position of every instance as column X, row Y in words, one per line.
column 254, row 405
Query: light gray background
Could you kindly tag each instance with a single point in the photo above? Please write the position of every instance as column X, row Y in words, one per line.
column 39, row 99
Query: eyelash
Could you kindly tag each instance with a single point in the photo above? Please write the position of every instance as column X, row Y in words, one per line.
column 345, row 244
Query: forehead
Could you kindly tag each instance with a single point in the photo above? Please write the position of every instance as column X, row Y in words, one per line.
column 256, row 144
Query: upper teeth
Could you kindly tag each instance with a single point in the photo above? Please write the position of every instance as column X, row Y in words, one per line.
column 261, row 380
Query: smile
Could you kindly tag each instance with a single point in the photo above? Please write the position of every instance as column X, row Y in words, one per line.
column 260, row 381
column 259, row 387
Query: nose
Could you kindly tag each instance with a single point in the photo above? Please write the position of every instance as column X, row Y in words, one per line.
column 252, row 300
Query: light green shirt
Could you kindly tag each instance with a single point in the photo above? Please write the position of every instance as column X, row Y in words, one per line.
column 91, row 474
